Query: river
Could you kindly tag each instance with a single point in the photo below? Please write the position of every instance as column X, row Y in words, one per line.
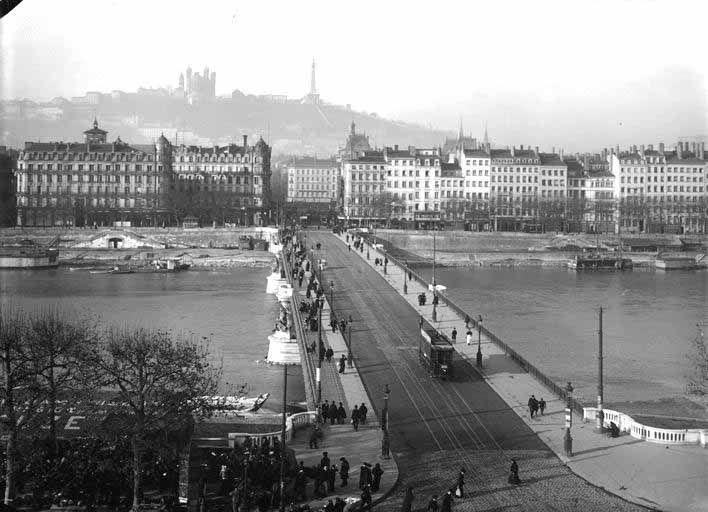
column 550, row 316
column 226, row 308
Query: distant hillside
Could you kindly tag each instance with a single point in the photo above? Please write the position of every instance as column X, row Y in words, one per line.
column 290, row 127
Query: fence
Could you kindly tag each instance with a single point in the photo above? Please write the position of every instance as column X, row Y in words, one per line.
column 292, row 423
column 652, row 434
column 518, row 358
column 308, row 370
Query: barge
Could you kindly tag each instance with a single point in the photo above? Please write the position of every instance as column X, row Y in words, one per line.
column 599, row 262
column 28, row 258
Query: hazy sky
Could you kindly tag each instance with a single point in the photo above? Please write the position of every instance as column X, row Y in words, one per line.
column 579, row 74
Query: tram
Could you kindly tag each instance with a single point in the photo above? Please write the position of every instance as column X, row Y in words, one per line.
column 435, row 352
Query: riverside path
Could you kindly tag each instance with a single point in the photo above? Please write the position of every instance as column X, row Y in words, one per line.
column 438, row 427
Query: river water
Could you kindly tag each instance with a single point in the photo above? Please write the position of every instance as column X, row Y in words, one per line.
column 550, row 316
column 226, row 308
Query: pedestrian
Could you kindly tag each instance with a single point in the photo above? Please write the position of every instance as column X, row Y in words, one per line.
column 376, row 475
column 533, row 405
column 344, row 471
column 433, row 504
column 314, row 436
column 446, row 505
column 339, row 505
column 407, row 500
column 325, row 411
column 300, row 484
column 366, row 499
column 460, row 491
column 342, row 362
column 333, row 413
column 332, row 476
column 324, row 461
column 343, row 326
column 333, row 324
column 541, row 405
column 329, row 354
column 341, row 414
column 514, row 473
column 469, row 337
column 329, row 507
column 454, row 335
column 355, row 418
column 365, row 476
column 349, row 248
column 362, row 413
column 385, row 261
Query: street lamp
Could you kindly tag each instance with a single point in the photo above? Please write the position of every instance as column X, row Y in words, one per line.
column 405, row 283
column 349, row 345
column 479, row 341
column 386, row 441
column 320, row 349
column 568, row 440
column 331, row 296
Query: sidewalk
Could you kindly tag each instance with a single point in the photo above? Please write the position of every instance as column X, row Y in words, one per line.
column 343, row 440
column 653, row 475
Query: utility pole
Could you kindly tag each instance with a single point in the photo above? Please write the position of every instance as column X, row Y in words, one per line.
column 319, row 350
column 599, row 427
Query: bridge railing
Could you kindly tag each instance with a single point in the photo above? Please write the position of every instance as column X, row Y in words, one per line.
column 292, row 424
column 557, row 390
column 309, row 371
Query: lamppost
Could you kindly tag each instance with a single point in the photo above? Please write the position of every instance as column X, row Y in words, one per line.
column 405, row 283
column 246, row 461
column 435, row 302
column 599, row 427
column 479, row 341
column 568, row 440
column 386, row 441
column 331, row 296
column 320, row 349
column 350, row 360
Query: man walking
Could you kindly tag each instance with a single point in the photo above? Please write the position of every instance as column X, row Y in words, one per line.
column 365, row 476
column 469, row 337
column 454, row 335
column 344, row 471
column 333, row 413
column 533, row 405
column 341, row 414
column 376, row 475
column 342, row 362
column 355, row 418
column 541, row 405
column 362, row 413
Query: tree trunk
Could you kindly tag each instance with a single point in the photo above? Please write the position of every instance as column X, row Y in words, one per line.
column 10, row 466
column 137, row 470
column 52, row 407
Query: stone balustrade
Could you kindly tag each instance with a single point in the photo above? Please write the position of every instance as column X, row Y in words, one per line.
column 292, row 423
column 647, row 433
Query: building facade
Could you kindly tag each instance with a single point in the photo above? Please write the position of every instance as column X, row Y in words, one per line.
column 228, row 184
column 101, row 183
column 81, row 183
column 364, row 181
column 313, row 181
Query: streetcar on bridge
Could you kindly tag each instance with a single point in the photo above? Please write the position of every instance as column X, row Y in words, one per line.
column 435, row 352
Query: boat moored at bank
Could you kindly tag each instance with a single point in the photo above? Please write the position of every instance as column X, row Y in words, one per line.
column 600, row 262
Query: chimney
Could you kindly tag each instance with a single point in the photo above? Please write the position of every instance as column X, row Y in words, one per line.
column 604, row 153
column 536, row 150
column 651, row 147
column 693, row 149
column 679, row 150
column 521, row 147
column 642, row 150
column 661, row 148
column 512, row 150
column 702, row 150
column 245, row 141
column 561, row 153
column 395, row 147
column 586, row 162
column 617, row 149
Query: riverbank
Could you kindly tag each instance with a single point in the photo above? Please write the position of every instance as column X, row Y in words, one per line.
column 199, row 258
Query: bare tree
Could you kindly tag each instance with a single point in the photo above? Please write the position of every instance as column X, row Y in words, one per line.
column 59, row 349
column 20, row 390
column 161, row 381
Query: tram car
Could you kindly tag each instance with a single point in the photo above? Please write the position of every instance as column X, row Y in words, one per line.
column 435, row 352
